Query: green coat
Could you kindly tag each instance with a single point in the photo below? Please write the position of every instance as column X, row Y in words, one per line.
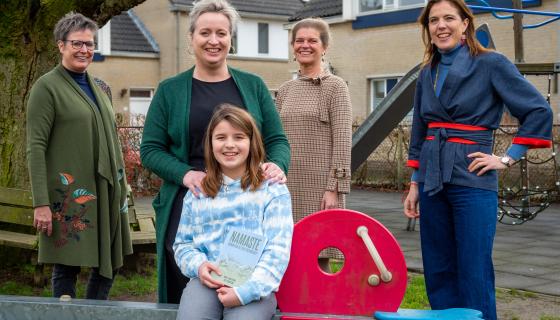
column 76, row 167
column 165, row 142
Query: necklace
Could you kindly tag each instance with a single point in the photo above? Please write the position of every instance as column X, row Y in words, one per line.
column 437, row 75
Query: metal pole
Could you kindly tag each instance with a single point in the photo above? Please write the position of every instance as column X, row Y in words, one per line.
column 400, row 173
column 518, row 32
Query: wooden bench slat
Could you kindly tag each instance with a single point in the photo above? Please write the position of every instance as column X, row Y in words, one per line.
column 147, row 225
column 16, row 197
column 18, row 240
column 140, row 237
column 22, row 216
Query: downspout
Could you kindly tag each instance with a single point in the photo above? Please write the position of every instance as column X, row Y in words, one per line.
column 176, row 12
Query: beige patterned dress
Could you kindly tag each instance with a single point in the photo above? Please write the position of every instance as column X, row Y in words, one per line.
column 317, row 117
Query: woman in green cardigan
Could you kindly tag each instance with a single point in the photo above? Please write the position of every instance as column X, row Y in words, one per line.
column 76, row 168
column 177, row 120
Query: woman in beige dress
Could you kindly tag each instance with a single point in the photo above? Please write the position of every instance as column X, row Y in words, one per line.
column 317, row 116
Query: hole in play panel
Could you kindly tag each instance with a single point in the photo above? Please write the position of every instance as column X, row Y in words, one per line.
column 331, row 260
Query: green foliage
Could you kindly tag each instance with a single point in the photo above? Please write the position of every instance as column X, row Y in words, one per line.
column 547, row 317
column 335, row 265
column 415, row 296
column 135, row 284
column 16, row 288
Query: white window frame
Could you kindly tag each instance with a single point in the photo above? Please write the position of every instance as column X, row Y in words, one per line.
column 103, row 43
column 385, row 7
column 139, row 99
column 371, row 88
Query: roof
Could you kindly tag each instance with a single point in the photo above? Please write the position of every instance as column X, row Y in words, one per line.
column 266, row 7
column 129, row 34
column 318, row 9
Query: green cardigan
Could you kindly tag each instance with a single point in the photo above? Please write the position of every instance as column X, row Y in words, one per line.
column 165, row 142
column 76, row 166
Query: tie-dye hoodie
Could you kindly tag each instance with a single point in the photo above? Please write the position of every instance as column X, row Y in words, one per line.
column 206, row 221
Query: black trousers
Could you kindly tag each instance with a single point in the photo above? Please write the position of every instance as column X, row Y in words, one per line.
column 176, row 281
column 64, row 282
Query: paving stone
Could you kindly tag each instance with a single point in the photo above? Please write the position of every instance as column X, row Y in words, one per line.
column 542, row 251
column 534, row 260
column 515, row 281
column 552, row 288
column 555, row 276
column 523, row 269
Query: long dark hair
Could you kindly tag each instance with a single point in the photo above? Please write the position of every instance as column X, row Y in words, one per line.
column 430, row 50
column 242, row 120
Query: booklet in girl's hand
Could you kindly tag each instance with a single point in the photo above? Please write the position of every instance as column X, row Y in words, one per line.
column 239, row 255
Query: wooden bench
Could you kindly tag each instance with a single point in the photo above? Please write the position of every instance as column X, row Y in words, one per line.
column 16, row 228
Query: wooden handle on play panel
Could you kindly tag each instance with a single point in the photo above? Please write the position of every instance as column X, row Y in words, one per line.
column 386, row 276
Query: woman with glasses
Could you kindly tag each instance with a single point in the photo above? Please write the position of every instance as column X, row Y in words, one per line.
column 76, row 168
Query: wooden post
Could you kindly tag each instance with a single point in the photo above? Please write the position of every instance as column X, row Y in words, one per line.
column 518, row 32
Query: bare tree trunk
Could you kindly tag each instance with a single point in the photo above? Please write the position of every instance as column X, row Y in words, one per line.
column 27, row 51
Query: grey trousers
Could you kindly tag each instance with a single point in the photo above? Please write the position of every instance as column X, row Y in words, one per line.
column 199, row 302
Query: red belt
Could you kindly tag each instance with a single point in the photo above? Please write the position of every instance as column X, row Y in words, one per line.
column 457, row 126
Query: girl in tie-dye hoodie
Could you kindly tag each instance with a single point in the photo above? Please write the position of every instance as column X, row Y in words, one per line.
column 235, row 196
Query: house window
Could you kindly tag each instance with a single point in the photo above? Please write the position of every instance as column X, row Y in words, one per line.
column 263, row 38
column 379, row 89
column 102, row 40
column 140, row 99
column 366, row 6
column 370, row 5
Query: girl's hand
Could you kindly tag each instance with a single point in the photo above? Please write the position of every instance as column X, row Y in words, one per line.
column 484, row 162
column 330, row 200
column 193, row 181
column 411, row 202
column 206, row 278
column 42, row 219
column 228, row 297
column 273, row 173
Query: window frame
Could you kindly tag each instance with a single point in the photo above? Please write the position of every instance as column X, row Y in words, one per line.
column 103, row 40
column 371, row 105
column 261, row 41
column 386, row 8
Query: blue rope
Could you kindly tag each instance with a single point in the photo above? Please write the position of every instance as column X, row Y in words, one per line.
column 486, row 7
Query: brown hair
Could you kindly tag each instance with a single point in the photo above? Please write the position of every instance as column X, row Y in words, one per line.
column 430, row 50
column 72, row 22
column 313, row 23
column 242, row 120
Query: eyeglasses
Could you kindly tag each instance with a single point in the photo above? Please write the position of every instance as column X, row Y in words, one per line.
column 78, row 44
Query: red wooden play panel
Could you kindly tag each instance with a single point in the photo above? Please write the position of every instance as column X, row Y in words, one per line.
column 305, row 288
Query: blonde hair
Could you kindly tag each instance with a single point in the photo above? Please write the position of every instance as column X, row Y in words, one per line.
column 242, row 120
column 314, row 23
column 217, row 6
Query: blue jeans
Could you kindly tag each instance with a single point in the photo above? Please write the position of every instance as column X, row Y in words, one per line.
column 457, row 228
column 64, row 282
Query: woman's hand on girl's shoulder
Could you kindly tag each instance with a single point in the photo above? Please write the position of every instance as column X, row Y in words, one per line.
column 205, row 276
column 273, row 173
column 484, row 162
column 193, row 181
column 228, row 297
